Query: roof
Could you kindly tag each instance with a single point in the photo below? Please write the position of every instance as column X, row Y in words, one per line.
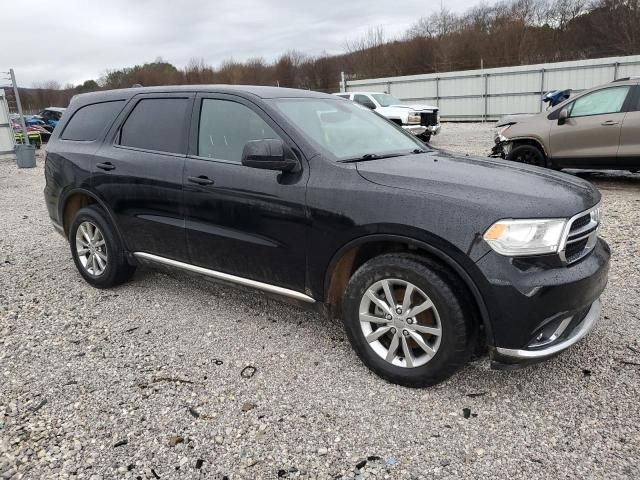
column 243, row 90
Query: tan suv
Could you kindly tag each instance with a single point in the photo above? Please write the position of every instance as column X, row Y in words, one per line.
column 598, row 128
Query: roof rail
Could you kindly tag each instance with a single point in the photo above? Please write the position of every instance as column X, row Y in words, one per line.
column 625, row 79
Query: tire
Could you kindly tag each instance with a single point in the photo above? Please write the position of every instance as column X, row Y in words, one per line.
column 425, row 137
column 528, row 154
column 452, row 347
column 111, row 267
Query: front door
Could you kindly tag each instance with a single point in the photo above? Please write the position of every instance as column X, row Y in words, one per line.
column 629, row 152
column 243, row 221
column 139, row 173
column 590, row 137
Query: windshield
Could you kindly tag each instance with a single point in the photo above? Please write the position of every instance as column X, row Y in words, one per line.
column 386, row 100
column 345, row 129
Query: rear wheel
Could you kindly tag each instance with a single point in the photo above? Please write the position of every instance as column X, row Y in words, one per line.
column 529, row 154
column 405, row 322
column 97, row 250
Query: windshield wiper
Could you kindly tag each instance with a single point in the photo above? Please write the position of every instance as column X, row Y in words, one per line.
column 369, row 156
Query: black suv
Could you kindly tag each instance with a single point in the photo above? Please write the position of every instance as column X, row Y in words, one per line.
column 425, row 255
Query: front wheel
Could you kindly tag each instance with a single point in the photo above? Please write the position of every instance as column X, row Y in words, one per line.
column 529, row 154
column 425, row 137
column 405, row 322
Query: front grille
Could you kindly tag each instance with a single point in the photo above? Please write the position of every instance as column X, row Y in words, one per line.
column 580, row 222
column 573, row 250
column 581, row 236
column 429, row 119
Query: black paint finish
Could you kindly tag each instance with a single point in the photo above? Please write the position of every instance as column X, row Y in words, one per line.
column 290, row 228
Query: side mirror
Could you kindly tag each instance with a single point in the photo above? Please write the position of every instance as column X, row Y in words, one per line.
column 562, row 117
column 267, row 154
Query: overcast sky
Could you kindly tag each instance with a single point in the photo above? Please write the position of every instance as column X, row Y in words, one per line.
column 76, row 40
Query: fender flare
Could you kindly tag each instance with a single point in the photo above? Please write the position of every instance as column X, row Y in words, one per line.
column 532, row 139
column 68, row 194
column 436, row 252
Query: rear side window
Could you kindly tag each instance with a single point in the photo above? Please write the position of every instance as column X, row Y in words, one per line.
column 157, row 124
column 89, row 121
column 226, row 127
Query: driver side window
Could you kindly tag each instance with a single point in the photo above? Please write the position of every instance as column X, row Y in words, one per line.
column 601, row 102
column 226, row 127
column 365, row 101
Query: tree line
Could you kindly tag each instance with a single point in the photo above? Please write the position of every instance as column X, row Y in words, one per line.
column 508, row 33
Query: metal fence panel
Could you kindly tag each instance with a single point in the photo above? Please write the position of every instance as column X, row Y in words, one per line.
column 6, row 132
column 491, row 93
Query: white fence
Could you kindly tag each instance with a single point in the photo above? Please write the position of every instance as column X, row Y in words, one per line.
column 491, row 93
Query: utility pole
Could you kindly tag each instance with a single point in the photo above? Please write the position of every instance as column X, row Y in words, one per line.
column 19, row 105
column 25, row 153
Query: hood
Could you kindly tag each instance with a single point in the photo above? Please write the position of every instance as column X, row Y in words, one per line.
column 510, row 190
column 517, row 118
column 414, row 107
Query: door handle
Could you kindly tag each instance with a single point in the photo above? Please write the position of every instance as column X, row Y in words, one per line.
column 201, row 180
column 610, row 123
column 106, row 166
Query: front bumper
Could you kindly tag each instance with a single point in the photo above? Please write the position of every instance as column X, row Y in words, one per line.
column 415, row 129
column 501, row 148
column 421, row 129
column 538, row 308
column 513, row 356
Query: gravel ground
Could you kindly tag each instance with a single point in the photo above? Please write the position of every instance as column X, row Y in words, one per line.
column 145, row 381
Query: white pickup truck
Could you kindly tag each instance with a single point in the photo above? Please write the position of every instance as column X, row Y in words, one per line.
column 421, row 120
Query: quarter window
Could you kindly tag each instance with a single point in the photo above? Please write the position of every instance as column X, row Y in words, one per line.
column 608, row 100
column 157, row 124
column 226, row 127
column 88, row 122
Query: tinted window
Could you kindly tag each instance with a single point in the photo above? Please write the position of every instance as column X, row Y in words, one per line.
column 226, row 127
column 609, row 100
column 157, row 124
column 364, row 100
column 89, row 121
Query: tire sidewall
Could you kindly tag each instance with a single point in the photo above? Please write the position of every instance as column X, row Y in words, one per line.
column 542, row 161
column 455, row 330
column 113, row 248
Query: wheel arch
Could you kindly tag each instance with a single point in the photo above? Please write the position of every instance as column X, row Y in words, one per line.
column 346, row 260
column 77, row 198
column 536, row 142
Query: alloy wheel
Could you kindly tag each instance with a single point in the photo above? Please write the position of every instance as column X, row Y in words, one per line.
column 91, row 248
column 400, row 323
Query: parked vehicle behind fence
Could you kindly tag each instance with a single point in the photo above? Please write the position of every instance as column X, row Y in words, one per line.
column 599, row 128
column 426, row 256
column 421, row 120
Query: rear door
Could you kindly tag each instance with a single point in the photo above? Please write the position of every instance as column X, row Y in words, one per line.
column 244, row 221
column 138, row 173
column 629, row 152
column 590, row 136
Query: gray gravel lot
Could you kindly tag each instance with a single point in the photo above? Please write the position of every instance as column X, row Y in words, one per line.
column 144, row 381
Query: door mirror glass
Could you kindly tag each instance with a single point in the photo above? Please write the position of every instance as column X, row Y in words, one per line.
column 562, row 117
column 267, row 154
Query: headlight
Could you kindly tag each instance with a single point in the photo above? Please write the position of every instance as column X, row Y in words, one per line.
column 500, row 131
column 414, row 118
column 525, row 237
